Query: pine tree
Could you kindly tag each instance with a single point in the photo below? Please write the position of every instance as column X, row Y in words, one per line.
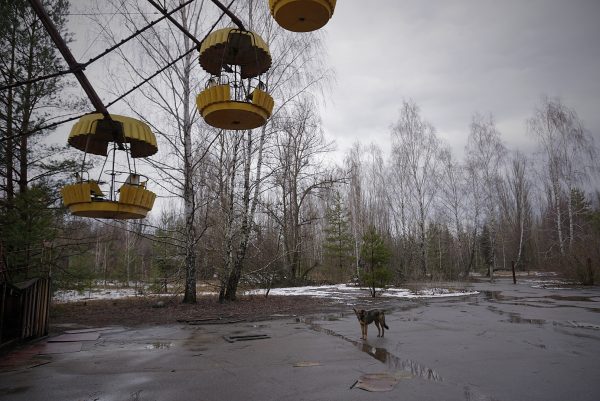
column 339, row 243
column 29, row 170
column 375, row 255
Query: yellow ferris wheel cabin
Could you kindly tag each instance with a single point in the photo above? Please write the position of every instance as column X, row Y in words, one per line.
column 125, row 199
column 230, row 99
column 302, row 15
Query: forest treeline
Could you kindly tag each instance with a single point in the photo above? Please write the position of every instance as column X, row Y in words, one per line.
column 270, row 206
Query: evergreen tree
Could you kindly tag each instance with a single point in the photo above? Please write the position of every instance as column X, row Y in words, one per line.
column 26, row 227
column 30, row 171
column 486, row 247
column 375, row 255
column 339, row 243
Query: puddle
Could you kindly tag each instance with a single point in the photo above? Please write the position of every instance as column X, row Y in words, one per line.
column 514, row 317
column 496, row 296
column 159, row 345
column 246, row 337
column 584, row 325
column 13, row 390
column 569, row 298
column 393, row 362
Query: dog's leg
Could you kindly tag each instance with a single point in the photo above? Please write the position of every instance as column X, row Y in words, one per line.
column 378, row 328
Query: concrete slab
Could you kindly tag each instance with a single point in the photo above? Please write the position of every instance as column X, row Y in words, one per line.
column 91, row 330
column 58, row 348
column 22, row 360
column 75, row 337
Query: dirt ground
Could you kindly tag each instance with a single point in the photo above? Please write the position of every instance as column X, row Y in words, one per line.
column 144, row 311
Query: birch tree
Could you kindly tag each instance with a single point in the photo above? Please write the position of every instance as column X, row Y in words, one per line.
column 453, row 198
column 485, row 154
column 338, row 243
column 299, row 175
column 167, row 104
column 416, row 146
column 296, row 70
column 354, row 167
column 568, row 154
column 518, row 205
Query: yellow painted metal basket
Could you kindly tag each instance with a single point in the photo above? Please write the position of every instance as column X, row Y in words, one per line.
column 84, row 199
column 302, row 15
column 220, row 111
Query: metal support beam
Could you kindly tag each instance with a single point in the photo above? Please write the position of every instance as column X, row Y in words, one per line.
column 187, row 33
column 68, row 56
column 176, row 23
column 231, row 15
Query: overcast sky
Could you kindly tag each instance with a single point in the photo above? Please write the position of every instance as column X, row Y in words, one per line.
column 452, row 57
column 458, row 57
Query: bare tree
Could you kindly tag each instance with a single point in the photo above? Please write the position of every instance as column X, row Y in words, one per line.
column 474, row 206
column 376, row 206
column 453, row 197
column 568, row 156
column 415, row 148
column 518, row 207
column 485, row 154
column 299, row 175
column 170, row 96
column 354, row 168
column 295, row 70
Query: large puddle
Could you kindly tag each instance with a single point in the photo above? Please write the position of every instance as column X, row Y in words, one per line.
column 392, row 362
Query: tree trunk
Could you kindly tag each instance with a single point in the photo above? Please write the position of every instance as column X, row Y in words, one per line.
column 229, row 261
column 249, row 212
column 8, row 152
column 189, row 204
column 422, row 240
column 26, row 107
column 554, row 187
column 492, row 239
column 9, row 146
column 570, row 216
column 239, row 256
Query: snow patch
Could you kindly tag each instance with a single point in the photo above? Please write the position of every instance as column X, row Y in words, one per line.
column 343, row 291
column 340, row 292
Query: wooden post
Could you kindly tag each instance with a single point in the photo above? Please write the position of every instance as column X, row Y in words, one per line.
column 513, row 272
column 3, row 287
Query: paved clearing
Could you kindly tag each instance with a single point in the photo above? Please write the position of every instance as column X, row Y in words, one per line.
column 509, row 342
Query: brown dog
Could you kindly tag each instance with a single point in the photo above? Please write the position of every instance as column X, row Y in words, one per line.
column 366, row 317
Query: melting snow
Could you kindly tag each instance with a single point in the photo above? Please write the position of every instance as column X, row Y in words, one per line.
column 337, row 292
column 343, row 291
column 96, row 293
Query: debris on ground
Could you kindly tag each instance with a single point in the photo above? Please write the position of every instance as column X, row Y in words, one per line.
column 306, row 364
column 376, row 382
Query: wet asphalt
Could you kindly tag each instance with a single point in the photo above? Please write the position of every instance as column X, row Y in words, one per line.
column 509, row 342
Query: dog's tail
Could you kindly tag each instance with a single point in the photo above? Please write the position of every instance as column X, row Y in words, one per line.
column 385, row 325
